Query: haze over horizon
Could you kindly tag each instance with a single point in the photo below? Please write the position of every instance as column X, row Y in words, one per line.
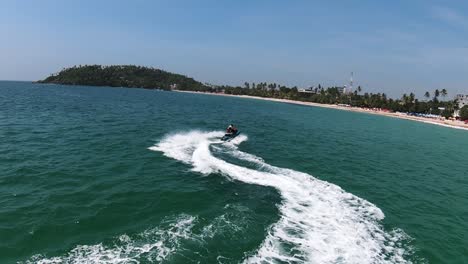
column 397, row 47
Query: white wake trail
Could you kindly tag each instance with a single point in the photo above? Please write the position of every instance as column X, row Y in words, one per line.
column 153, row 245
column 320, row 222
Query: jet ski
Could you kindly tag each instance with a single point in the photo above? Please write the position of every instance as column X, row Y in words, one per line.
column 230, row 136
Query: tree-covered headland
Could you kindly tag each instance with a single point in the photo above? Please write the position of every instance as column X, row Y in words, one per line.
column 123, row 76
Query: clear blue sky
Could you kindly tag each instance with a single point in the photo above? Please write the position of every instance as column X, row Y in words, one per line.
column 392, row 46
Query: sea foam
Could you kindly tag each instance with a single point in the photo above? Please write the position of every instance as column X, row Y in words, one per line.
column 320, row 222
column 153, row 245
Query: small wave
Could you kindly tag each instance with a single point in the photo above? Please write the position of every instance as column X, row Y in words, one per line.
column 232, row 222
column 320, row 222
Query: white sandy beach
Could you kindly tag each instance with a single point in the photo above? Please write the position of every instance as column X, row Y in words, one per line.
column 439, row 122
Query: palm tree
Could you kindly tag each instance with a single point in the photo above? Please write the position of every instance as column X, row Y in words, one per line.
column 444, row 93
column 436, row 93
column 427, row 95
column 404, row 98
column 456, row 105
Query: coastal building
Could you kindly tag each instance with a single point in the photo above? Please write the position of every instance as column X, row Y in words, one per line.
column 210, row 85
column 311, row 90
column 347, row 89
column 462, row 100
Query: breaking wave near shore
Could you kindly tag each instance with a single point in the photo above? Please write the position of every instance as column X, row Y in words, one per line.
column 319, row 221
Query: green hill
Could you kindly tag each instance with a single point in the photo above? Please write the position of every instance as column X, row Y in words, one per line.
column 124, row 76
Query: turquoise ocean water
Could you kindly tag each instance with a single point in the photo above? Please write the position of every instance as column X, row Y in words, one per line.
column 114, row 175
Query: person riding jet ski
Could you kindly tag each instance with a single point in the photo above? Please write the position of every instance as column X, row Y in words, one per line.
column 231, row 132
column 231, row 129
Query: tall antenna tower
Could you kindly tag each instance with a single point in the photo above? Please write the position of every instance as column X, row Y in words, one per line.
column 351, row 82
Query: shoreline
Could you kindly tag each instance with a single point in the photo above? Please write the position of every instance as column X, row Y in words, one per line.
column 445, row 123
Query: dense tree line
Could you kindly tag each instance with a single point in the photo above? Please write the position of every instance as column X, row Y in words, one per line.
column 464, row 113
column 334, row 95
column 124, row 76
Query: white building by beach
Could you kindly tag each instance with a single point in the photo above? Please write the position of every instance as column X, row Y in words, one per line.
column 307, row 90
column 462, row 100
